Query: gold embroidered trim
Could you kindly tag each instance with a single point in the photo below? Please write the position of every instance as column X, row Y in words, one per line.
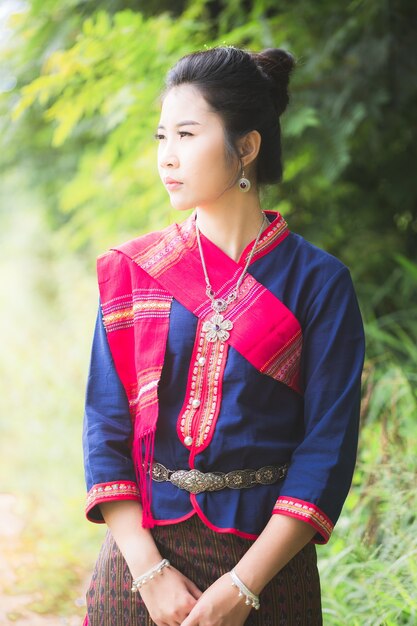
column 204, row 386
column 308, row 512
column 121, row 312
column 112, row 491
column 271, row 234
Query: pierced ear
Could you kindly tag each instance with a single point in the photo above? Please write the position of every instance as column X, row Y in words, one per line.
column 249, row 147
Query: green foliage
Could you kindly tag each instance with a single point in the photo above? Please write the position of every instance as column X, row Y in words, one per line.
column 103, row 93
column 89, row 105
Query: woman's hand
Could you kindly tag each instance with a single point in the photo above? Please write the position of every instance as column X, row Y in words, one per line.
column 170, row 597
column 220, row 605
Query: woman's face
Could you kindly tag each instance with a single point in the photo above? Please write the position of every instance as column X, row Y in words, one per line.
column 192, row 160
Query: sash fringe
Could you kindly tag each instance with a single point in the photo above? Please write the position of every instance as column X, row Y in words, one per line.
column 143, row 453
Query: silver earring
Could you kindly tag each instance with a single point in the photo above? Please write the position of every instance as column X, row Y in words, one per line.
column 244, row 183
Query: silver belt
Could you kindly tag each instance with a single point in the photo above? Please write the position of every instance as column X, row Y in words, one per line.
column 195, row 481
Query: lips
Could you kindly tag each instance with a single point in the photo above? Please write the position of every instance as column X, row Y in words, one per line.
column 171, row 184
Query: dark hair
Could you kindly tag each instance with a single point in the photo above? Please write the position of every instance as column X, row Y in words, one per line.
column 248, row 90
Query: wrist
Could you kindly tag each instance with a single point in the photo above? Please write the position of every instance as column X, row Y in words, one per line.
column 143, row 565
column 251, row 578
column 141, row 558
column 149, row 575
column 251, row 599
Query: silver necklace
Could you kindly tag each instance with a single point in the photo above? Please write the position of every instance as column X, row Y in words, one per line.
column 217, row 328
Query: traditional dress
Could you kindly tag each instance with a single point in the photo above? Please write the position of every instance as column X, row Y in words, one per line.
column 165, row 392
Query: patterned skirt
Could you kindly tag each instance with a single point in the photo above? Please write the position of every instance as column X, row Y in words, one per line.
column 292, row 598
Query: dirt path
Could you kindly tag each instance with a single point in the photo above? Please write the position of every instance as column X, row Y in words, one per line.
column 14, row 606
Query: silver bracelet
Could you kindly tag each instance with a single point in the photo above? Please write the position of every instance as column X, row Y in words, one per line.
column 156, row 569
column 251, row 598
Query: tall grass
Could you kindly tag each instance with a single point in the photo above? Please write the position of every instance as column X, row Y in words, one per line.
column 369, row 569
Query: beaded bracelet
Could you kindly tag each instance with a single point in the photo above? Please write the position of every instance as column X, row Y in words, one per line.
column 251, row 598
column 156, row 569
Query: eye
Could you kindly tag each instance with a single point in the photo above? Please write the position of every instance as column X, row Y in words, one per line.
column 184, row 133
column 159, row 137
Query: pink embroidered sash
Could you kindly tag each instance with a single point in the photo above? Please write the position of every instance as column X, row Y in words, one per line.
column 264, row 331
column 136, row 317
column 136, row 300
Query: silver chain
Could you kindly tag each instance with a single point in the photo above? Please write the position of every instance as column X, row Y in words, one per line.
column 223, row 303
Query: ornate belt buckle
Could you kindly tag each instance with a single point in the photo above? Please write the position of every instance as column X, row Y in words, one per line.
column 190, row 480
column 195, row 481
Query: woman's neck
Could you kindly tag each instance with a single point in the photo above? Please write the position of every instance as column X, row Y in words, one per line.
column 231, row 229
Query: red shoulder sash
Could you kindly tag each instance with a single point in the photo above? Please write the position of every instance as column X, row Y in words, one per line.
column 264, row 331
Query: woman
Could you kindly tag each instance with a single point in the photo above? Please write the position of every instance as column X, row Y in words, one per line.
column 223, row 397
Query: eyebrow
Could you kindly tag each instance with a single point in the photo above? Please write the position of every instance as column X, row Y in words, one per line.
column 184, row 123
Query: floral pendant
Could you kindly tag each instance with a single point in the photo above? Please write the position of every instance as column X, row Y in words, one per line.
column 216, row 328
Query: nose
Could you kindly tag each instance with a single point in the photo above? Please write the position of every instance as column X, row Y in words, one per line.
column 167, row 157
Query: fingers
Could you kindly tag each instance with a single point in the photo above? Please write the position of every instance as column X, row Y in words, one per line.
column 192, row 618
column 171, row 610
column 193, row 589
column 170, row 598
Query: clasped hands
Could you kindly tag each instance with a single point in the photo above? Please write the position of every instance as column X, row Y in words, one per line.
column 174, row 600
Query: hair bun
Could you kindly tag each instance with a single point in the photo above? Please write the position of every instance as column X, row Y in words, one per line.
column 277, row 65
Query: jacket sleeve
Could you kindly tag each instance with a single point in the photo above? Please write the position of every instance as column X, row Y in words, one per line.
column 109, row 470
column 321, row 468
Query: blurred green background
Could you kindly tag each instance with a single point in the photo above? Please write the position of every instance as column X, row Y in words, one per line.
column 79, row 86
